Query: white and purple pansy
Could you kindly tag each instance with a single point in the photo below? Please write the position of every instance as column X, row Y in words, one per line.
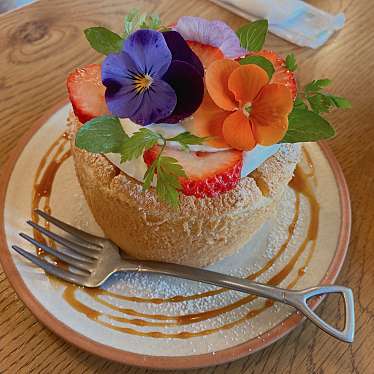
column 155, row 78
column 214, row 33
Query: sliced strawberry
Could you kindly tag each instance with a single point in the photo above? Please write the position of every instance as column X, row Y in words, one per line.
column 282, row 75
column 87, row 93
column 208, row 173
column 206, row 53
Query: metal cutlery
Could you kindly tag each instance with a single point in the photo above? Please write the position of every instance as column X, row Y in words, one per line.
column 92, row 260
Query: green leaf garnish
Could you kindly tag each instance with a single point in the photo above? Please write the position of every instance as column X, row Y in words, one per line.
column 307, row 126
column 305, row 123
column 149, row 175
column 317, row 85
column 168, row 185
column 139, row 142
column 152, row 22
column 260, row 61
column 132, row 21
column 167, row 169
column 339, row 102
column 322, row 102
column 186, row 138
column 319, row 103
column 101, row 135
column 252, row 35
column 299, row 103
column 103, row 40
column 291, row 62
column 135, row 21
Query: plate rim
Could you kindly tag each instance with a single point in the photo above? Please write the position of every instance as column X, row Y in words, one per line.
column 162, row 362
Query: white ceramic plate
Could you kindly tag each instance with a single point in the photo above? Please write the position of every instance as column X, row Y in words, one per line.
column 162, row 322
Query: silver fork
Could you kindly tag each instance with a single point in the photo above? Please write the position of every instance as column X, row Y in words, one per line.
column 95, row 259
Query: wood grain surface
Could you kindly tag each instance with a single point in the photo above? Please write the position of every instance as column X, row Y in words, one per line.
column 42, row 42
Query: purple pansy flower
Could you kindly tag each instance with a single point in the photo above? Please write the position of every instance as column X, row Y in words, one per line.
column 155, row 78
column 215, row 33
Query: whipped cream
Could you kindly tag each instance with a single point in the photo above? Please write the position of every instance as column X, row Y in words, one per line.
column 136, row 168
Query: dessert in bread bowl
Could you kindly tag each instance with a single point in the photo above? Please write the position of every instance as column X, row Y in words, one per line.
column 202, row 230
column 185, row 139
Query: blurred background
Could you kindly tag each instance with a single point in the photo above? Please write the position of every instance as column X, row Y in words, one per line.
column 6, row 5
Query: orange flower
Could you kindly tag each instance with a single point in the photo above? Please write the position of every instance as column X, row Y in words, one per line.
column 240, row 108
column 206, row 53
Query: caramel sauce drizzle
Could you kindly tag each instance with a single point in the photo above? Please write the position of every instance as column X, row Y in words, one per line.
column 42, row 189
column 43, row 183
column 310, row 165
column 260, row 182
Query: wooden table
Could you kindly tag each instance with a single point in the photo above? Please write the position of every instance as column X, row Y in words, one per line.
column 42, row 42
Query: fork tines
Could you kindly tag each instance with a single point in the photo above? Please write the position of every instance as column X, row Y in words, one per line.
column 78, row 256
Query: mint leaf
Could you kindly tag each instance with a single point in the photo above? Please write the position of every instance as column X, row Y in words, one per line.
column 260, row 61
column 168, row 185
column 291, row 62
column 299, row 103
column 324, row 102
column 186, row 138
column 317, row 85
column 138, row 143
column 135, row 21
column 319, row 103
column 103, row 40
column 252, row 35
column 339, row 102
column 101, row 135
column 307, row 126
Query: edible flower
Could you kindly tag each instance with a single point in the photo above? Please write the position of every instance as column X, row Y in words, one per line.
column 240, row 108
column 156, row 77
column 210, row 40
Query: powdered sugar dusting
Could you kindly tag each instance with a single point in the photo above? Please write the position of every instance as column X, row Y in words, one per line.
column 262, row 248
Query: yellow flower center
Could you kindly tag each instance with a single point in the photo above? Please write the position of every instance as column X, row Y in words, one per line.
column 142, row 82
column 247, row 108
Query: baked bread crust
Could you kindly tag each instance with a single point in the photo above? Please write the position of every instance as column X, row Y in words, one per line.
column 202, row 231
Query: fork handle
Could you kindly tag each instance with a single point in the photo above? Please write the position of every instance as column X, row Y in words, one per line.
column 297, row 299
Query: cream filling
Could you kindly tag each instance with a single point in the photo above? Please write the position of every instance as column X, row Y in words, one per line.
column 136, row 168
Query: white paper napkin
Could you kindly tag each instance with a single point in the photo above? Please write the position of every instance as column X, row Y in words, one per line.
column 293, row 20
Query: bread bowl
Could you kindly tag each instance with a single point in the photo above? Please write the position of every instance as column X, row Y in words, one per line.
column 201, row 231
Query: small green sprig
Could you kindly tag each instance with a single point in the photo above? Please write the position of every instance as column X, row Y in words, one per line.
column 290, row 62
column 136, row 20
column 323, row 102
column 134, row 146
column 168, row 169
column 305, row 123
column 105, row 135
column 168, row 173
column 185, row 139
column 106, row 41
